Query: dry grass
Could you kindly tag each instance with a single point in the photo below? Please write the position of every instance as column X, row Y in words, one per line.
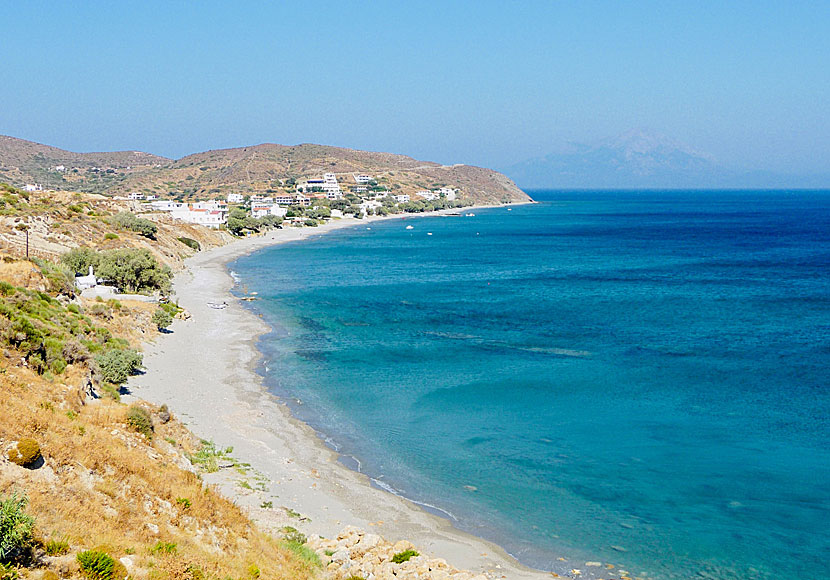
column 103, row 485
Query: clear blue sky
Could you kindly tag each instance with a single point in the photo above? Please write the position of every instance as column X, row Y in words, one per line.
column 487, row 83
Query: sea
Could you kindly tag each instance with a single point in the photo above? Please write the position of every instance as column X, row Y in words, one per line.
column 639, row 379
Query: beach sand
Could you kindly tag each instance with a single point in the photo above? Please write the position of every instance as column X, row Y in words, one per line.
column 204, row 370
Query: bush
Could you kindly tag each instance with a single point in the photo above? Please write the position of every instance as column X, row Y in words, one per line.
column 96, row 565
column 190, row 243
column 116, row 366
column 25, row 453
column 304, row 553
column 110, row 236
column 60, row 278
column 142, row 226
column 57, row 547
column 404, row 556
column 165, row 548
column 15, row 527
column 8, row 572
column 139, row 419
column 162, row 319
column 291, row 534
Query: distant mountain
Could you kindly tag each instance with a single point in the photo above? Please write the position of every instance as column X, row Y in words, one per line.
column 256, row 169
column 637, row 159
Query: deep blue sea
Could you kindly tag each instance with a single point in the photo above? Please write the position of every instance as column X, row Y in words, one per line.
column 636, row 378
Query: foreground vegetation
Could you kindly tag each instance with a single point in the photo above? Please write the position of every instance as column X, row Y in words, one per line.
column 93, row 488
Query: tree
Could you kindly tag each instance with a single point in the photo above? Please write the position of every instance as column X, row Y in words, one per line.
column 80, row 259
column 134, row 271
column 162, row 319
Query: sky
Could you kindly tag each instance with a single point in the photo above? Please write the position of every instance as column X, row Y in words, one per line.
column 489, row 83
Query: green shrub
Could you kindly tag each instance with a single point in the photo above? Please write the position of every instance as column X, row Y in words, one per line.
column 139, row 419
column 60, row 278
column 162, row 319
column 404, row 556
column 291, row 534
column 15, row 527
column 96, row 565
column 56, row 547
column 165, row 548
column 110, row 236
column 190, row 243
column 304, row 553
column 25, row 453
column 8, row 572
column 142, row 226
column 116, row 366
column 184, row 502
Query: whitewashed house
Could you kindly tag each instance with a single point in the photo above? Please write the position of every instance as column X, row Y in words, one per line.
column 428, row 195
column 402, row 198
column 135, row 196
column 33, row 187
column 447, row 192
column 259, row 210
column 361, row 178
column 235, row 198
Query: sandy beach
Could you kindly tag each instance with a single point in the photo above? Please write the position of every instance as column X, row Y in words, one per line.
column 204, row 370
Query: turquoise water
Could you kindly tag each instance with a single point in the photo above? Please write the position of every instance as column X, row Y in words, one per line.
column 633, row 378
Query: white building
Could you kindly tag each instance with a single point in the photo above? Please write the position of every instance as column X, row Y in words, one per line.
column 403, row 198
column 370, row 206
column 259, row 210
column 447, row 192
column 429, row 195
column 235, row 198
column 166, row 205
column 212, row 205
column 284, row 199
column 360, row 189
column 135, row 196
column 331, row 187
column 203, row 217
column 362, row 179
column 60, row 168
column 302, row 200
column 33, row 187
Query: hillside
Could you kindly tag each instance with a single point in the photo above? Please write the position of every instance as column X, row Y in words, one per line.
column 57, row 222
column 258, row 169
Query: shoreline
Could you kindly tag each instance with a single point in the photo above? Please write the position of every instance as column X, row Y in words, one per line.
column 222, row 397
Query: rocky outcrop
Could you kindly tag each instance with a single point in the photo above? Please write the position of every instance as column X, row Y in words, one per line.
column 356, row 553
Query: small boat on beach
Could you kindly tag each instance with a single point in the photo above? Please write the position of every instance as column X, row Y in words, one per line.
column 470, row 214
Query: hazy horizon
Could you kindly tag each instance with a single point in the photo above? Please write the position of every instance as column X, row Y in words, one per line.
column 480, row 83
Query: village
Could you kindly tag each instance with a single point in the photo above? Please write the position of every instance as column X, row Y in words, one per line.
column 314, row 200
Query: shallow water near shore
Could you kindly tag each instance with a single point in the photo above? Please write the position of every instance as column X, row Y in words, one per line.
column 627, row 378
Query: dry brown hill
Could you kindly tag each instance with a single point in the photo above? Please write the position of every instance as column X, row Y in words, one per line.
column 261, row 168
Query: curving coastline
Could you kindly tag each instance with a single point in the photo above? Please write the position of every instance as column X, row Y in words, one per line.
column 205, row 371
